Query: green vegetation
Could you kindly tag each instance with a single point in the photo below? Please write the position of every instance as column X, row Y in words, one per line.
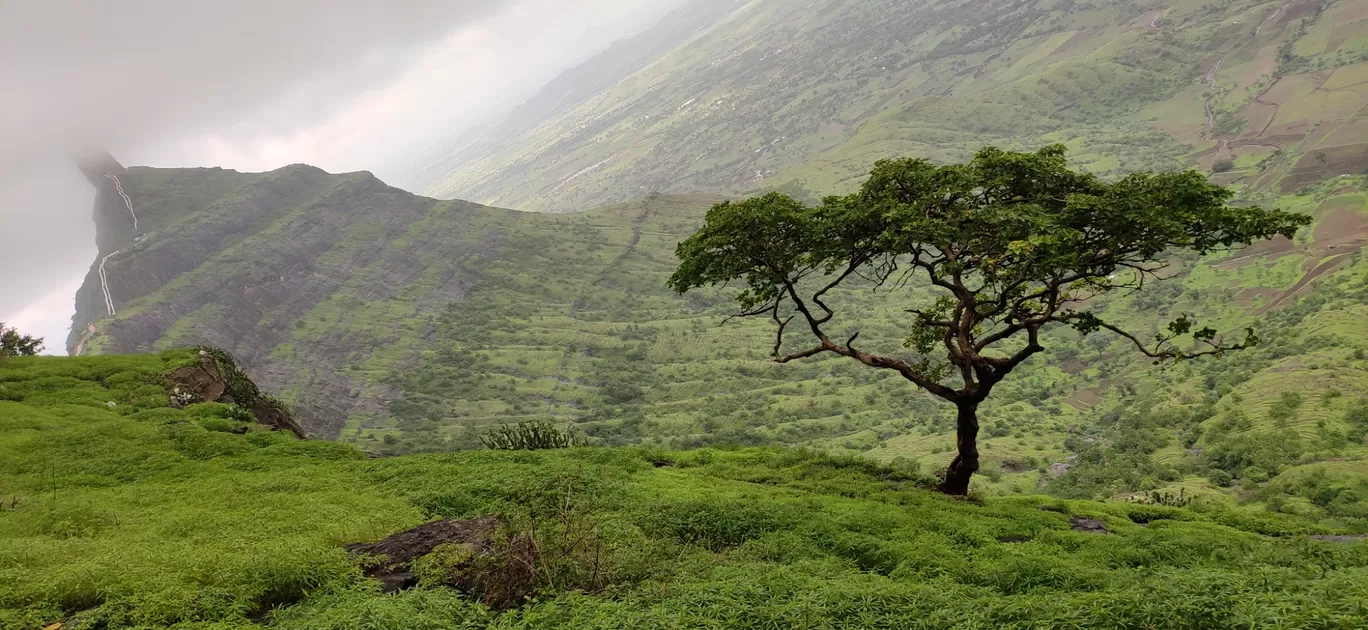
column 1012, row 243
column 138, row 515
column 13, row 344
column 529, row 436
column 481, row 317
column 748, row 107
column 406, row 325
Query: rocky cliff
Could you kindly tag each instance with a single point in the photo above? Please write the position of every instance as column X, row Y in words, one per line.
column 328, row 288
column 237, row 260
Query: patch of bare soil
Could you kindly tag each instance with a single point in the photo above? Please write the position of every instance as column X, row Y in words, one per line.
column 1345, row 226
column 1088, row 525
column 1263, row 250
column 1298, row 11
column 1321, row 164
column 1249, row 297
column 1338, row 539
column 1319, row 270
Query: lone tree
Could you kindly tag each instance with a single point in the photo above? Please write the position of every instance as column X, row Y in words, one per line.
column 14, row 344
column 1011, row 244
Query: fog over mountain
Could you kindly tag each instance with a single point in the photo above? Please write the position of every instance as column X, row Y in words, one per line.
column 344, row 85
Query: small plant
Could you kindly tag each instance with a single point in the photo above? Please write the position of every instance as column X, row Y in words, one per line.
column 529, row 436
column 1167, row 499
column 551, row 540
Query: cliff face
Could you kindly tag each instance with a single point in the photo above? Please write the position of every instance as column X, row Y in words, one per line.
column 342, row 294
column 239, row 260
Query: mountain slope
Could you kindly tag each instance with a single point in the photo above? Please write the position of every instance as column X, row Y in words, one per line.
column 804, row 96
column 407, row 324
column 235, row 260
column 325, row 285
column 572, row 88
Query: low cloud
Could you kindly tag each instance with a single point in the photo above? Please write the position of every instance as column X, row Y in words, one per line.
column 252, row 85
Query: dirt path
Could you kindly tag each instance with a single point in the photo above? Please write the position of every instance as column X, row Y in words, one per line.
column 1326, row 266
column 118, row 186
column 1277, row 109
column 1155, row 22
column 1219, row 92
column 637, row 222
column 104, row 285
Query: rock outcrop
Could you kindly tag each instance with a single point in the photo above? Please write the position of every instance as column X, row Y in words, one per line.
column 211, row 380
column 240, row 260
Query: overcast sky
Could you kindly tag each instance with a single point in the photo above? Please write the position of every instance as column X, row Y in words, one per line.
column 251, row 85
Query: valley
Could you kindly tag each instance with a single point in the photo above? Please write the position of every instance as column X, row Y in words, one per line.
column 515, row 281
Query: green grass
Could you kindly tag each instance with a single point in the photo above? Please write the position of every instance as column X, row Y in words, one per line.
column 485, row 317
column 141, row 516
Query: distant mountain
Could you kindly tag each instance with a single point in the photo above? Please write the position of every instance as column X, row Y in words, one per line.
column 330, row 287
column 802, row 96
column 574, row 86
column 408, row 324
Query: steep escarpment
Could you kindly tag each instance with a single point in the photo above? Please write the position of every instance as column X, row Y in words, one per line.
column 332, row 288
column 239, row 260
column 409, row 324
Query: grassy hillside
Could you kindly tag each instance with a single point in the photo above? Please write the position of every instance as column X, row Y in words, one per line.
column 606, row 349
column 804, row 96
column 138, row 515
column 406, row 324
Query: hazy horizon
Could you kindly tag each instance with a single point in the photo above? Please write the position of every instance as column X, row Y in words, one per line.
column 252, row 88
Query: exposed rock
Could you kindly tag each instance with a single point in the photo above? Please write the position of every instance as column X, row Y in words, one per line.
column 398, row 551
column 1089, row 525
column 274, row 418
column 205, row 382
column 1014, row 466
column 202, row 380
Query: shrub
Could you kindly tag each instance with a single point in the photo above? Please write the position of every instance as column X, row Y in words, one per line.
column 1223, row 166
column 13, row 344
column 529, row 436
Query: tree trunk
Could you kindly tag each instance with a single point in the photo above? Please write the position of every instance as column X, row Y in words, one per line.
column 967, row 461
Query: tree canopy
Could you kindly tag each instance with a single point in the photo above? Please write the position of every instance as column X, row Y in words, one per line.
column 1012, row 242
column 14, row 344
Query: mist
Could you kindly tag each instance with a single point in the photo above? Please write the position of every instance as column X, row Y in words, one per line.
column 251, row 85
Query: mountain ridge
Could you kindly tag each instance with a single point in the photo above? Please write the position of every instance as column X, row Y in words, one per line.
column 803, row 98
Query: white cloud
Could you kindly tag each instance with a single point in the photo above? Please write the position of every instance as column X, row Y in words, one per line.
column 251, row 85
column 48, row 317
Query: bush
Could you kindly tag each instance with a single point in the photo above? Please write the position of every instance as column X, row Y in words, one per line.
column 12, row 344
column 1223, row 166
column 529, row 436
